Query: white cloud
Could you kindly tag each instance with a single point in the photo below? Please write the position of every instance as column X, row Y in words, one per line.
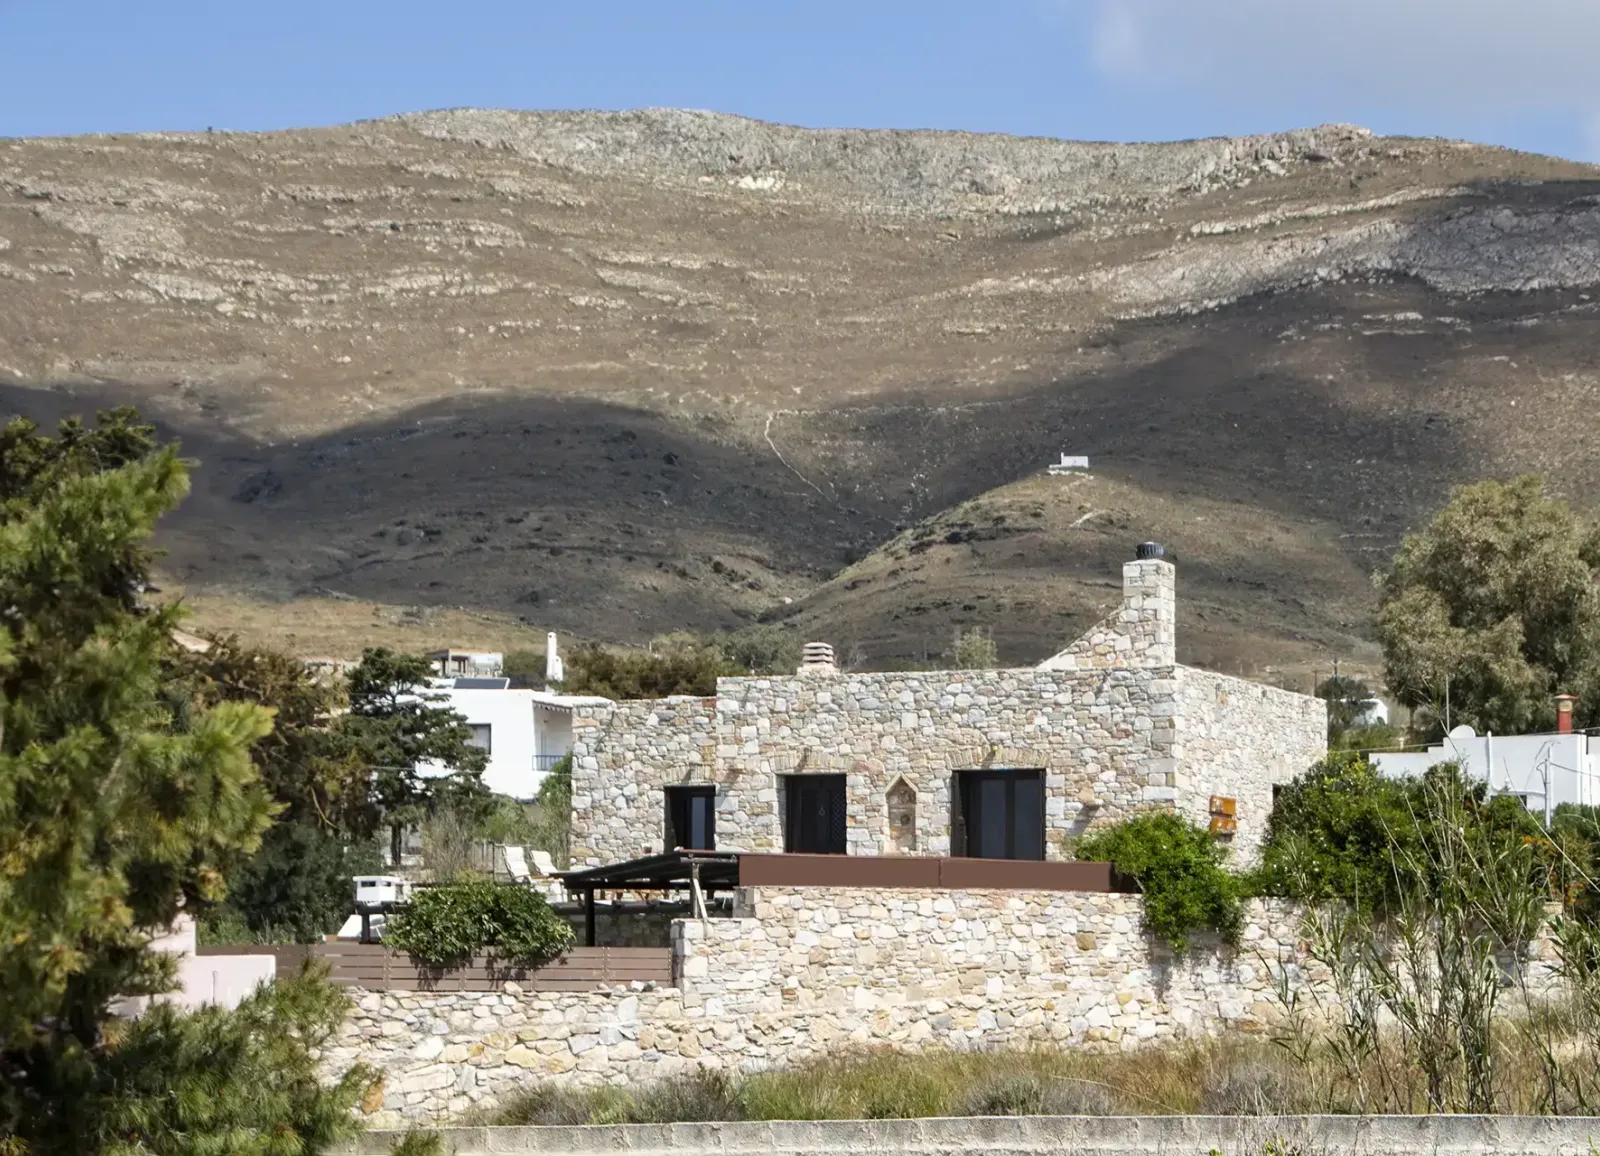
column 1474, row 58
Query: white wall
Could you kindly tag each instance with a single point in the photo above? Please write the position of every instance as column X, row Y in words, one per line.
column 512, row 742
column 1513, row 764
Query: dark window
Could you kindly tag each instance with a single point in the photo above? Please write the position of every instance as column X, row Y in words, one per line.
column 692, row 818
column 481, row 739
column 1002, row 815
column 814, row 815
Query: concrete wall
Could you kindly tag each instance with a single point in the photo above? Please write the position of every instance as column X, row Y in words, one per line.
column 1112, row 722
column 512, row 742
column 1048, row 1136
column 1513, row 764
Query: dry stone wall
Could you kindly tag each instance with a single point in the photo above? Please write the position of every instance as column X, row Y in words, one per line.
column 1112, row 722
column 1239, row 739
column 1091, row 734
column 808, row 972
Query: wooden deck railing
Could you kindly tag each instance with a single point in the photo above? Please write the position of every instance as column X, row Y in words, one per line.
column 378, row 968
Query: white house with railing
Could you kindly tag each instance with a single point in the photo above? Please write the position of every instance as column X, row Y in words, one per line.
column 524, row 732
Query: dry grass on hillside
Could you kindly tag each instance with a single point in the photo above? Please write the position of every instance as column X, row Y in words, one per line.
column 342, row 629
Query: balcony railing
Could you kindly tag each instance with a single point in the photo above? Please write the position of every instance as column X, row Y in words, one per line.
column 544, row 763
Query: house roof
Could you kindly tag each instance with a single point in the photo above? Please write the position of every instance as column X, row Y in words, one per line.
column 566, row 702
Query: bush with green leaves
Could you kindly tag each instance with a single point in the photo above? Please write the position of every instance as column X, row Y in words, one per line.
column 1179, row 868
column 446, row 926
column 1342, row 831
column 295, row 889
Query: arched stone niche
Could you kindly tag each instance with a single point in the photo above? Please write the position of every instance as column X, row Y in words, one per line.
column 901, row 802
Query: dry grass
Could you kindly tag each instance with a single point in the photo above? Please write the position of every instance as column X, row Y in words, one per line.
column 342, row 628
column 1232, row 1078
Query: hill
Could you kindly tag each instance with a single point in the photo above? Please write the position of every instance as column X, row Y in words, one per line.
column 621, row 373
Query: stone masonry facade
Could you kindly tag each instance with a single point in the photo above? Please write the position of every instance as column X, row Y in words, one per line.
column 1113, row 722
column 803, row 972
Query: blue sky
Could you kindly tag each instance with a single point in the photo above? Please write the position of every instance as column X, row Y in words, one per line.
column 1514, row 72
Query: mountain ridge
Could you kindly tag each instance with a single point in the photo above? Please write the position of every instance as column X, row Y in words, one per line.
column 622, row 373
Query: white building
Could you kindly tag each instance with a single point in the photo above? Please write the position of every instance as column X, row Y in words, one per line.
column 1543, row 770
column 453, row 663
column 525, row 732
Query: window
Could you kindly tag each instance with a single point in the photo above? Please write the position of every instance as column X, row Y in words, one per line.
column 814, row 817
column 480, row 736
column 692, row 818
column 1002, row 814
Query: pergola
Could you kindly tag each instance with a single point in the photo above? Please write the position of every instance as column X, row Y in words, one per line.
column 698, row 872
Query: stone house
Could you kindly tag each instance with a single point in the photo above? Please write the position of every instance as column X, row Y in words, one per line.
column 1008, row 764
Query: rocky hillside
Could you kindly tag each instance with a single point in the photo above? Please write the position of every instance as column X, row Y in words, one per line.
column 624, row 373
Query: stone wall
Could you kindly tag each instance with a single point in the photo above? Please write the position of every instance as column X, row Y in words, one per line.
column 1111, row 721
column 1092, row 734
column 811, row 972
column 1141, row 633
column 1239, row 739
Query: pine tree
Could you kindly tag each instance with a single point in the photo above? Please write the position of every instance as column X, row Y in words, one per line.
column 116, row 814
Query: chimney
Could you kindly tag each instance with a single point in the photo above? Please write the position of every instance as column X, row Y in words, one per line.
column 1564, row 704
column 553, row 670
column 816, row 661
column 1149, row 614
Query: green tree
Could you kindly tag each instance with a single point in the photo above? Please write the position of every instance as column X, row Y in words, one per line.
column 679, row 667
column 116, row 811
column 245, row 1082
column 295, row 761
column 1493, row 610
column 974, row 649
column 763, row 648
column 525, row 669
column 297, row 888
column 394, row 732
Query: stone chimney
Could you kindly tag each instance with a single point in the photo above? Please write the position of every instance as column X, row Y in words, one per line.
column 1564, row 705
column 816, row 661
column 1149, row 615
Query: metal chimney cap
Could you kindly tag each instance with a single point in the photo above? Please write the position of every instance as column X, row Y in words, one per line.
column 1148, row 550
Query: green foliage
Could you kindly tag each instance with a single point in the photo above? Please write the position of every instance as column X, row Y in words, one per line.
column 1495, row 606
column 296, row 888
column 1344, row 832
column 394, row 726
column 1178, row 867
column 175, row 1083
column 763, row 648
column 552, row 831
column 525, row 669
column 974, row 649
column 676, row 668
column 507, row 822
column 1331, row 831
column 294, row 760
column 122, row 804
column 446, row 926
column 111, row 816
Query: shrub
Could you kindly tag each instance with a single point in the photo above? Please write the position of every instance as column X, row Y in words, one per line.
column 244, row 1081
column 1259, row 1088
column 1178, row 867
column 1029, row 1094
column 295, row 889
column 445, row 926
column 703, row 1095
